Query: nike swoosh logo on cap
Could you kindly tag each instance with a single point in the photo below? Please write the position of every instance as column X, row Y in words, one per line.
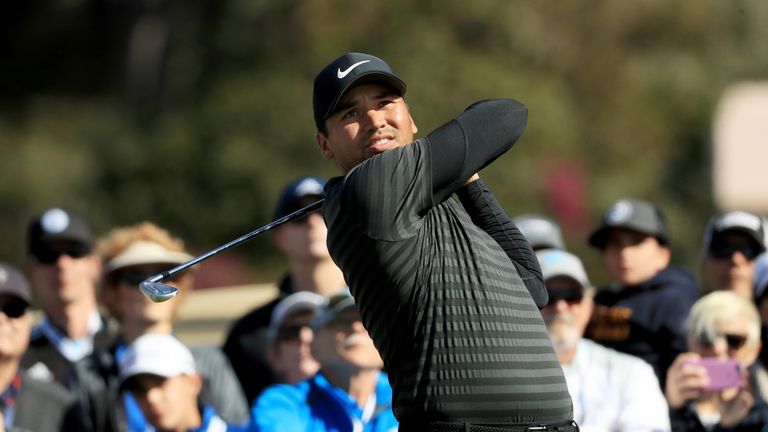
column 342, row 73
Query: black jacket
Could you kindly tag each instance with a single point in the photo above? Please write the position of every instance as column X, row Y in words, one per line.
column 646, row 320
column 91, row 380
column 686, row 420
column 247, row 342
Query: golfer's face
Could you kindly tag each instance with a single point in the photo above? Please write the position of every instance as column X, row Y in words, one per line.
column 369, row 119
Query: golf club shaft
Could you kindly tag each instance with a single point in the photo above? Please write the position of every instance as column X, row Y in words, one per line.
column 287, row 218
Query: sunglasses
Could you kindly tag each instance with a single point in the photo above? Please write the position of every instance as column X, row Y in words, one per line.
column 50, row 256
column 290, row 333
column 726, row 250
column 567, row 295
column 734, row 341
column 343, row 322
column 14, row 308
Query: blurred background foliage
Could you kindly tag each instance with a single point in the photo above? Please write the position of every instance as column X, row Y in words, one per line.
column 194, row 114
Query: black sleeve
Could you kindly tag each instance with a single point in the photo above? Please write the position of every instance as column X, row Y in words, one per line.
column 479, row 135
column 486, row 213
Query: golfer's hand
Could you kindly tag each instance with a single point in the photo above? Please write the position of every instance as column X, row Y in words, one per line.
column 475, row 177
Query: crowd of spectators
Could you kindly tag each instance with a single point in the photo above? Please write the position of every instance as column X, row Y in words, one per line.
column 636, row 353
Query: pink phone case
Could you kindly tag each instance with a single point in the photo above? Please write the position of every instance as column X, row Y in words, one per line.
column 723, row 374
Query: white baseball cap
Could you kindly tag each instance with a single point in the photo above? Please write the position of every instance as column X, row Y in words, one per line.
column 145, row 252
column 156, row 354
column 555, row 263
column 540, row 231
column 296, row 302
column 332, row 307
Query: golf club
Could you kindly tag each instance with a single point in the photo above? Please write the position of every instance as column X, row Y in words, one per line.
column 158, row 292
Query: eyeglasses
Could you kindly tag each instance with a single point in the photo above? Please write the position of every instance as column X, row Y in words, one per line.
column 290, row 333
column 14, row 308
column 734, row 341
column 51, row 255
column 569, row 296
column 723, row 250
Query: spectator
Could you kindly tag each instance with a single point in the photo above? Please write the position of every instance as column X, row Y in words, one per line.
column 611, row 391
column 765, row 231
column 290, row 337
column 540, row 231
column 724, row 325
column 642, row 312
column 71, row 345
column 159, row 371
column 350, row 393
column 132, row 254
column 761, row 300
column 732, row 241
column 23, row 398
column 310, row 269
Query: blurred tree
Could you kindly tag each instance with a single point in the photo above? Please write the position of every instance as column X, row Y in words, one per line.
column 194, row 114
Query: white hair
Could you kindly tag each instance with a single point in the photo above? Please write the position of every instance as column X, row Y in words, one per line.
column 721, row 307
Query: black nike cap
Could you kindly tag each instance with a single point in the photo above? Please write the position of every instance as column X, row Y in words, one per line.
column 342, row 74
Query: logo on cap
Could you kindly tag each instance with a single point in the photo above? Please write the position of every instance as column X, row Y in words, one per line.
column 308, row 186
column 342, row 73
column 619, row 213
column 54, row 221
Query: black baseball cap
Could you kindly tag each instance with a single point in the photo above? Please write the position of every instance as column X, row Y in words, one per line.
column 57, row 226
column 294, row 193
column 633, row 214
column 342, row 74
column 739, row 221
column 12, row 282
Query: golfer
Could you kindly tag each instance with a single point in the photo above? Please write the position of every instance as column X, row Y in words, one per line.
column 446, row 285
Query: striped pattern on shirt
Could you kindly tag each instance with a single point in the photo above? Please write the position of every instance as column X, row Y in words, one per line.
column 460, row 336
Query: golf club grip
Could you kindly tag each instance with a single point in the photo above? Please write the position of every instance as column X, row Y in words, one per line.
column 287, row 218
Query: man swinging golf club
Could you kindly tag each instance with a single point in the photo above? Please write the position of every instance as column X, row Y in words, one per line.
column 446, row 285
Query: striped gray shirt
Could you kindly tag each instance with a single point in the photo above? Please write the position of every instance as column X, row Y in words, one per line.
column 461, row 337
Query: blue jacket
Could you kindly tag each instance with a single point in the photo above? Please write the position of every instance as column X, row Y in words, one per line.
column 211, row 422
column 314, row 405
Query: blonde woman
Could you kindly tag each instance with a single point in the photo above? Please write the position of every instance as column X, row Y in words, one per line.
column 721, row 325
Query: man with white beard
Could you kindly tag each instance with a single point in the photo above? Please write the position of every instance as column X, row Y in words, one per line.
column 611, row 391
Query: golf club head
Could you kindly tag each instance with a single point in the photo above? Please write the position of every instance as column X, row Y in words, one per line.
column 157, row 292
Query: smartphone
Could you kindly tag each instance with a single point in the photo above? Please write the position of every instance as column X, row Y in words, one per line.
column 723, row 374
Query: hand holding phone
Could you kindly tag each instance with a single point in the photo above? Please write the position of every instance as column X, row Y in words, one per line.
column 722, row 374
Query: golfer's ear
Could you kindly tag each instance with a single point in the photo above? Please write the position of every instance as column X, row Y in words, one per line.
column 322, row 142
